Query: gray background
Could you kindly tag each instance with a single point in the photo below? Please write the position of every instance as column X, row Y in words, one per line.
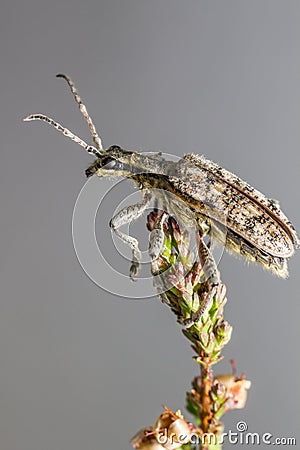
column 82, row 369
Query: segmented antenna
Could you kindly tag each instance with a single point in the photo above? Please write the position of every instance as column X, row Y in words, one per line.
column 89, row 148
column 96, row 151
column 83, row 110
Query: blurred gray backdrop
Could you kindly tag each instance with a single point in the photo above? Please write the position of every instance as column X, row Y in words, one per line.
column 83, row 369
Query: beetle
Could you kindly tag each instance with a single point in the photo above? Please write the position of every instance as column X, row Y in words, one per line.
column 201, row 192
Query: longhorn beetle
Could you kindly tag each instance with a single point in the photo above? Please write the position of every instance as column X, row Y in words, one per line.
column 256, row 228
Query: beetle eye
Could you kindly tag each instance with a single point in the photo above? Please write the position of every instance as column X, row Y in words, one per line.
column 109, row 163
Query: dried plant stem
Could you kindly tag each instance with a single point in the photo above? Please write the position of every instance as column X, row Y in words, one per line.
column 207, row 382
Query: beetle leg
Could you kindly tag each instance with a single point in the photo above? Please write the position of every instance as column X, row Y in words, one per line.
column 212, row 277
column 127, row 215
column 207, row 260
column 156, row 239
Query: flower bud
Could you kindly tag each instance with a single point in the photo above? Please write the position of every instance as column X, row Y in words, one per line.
column 236, row 388
column 172, row 430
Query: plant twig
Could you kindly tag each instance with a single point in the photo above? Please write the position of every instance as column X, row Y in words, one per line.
column 184, row 286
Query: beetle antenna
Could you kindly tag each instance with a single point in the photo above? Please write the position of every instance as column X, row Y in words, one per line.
column 83, row 110
column 89, row 148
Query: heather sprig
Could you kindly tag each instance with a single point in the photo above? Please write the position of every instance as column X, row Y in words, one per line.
column 179, row 278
